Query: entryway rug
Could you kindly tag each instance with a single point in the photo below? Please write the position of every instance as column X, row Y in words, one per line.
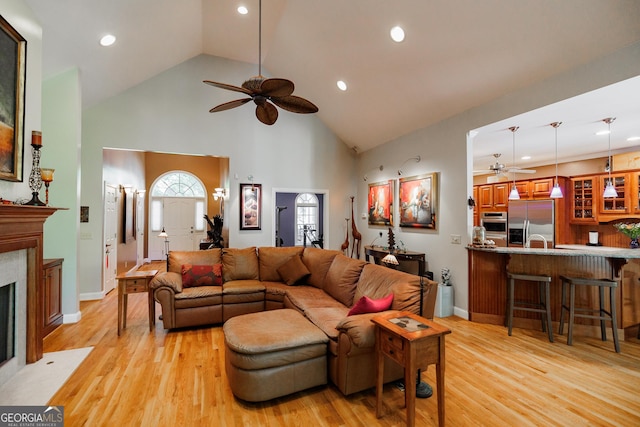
column 36, row 383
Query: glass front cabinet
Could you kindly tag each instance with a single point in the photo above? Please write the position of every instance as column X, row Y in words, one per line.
column 583, row 204
column 615, row 205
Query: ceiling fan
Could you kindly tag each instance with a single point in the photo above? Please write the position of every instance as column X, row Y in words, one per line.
column 265, row 92
column 500, row 169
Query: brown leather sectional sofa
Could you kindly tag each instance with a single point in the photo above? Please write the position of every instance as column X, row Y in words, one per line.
column 255, row 279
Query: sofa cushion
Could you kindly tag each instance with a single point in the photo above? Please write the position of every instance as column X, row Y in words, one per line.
column 377, row 281
column 240, row 264
column 206, row 257
column 327, row 318
column 368, row 305
column 201, row 275
column 318, row 262
column 342, row 278
column 303, row 298
column 271, row 259
column 293, row 271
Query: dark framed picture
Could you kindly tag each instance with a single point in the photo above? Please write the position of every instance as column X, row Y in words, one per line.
column 128, row 214
column 380, row 203
column 12, row 76
column 418, row 199
column 250, row 206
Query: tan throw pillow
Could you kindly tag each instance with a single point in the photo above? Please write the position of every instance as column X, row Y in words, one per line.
column 342, row 278
column 293, row 271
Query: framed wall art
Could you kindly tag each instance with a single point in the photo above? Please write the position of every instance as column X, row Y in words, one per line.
column 250, row 206
column 380, row 203
column 418, row 200
column 12, row 76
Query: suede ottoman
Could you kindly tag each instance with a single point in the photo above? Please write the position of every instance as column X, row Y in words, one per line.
column 272, row 354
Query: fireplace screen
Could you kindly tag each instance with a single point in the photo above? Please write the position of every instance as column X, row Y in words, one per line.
column 7, row 322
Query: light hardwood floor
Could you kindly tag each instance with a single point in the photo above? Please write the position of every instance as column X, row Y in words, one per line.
column 177, row 379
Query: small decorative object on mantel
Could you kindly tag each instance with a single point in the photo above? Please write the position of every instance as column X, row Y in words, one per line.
column 47, row 176
column 35, row 179
column 632, row 231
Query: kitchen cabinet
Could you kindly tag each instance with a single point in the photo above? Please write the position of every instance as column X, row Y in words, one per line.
column 523, row 189
column 485, row 196
column 635, row 193
column 612, row 206
column 51, row 295
column 541, row 188
column 583, row 200
column 501, row 196
column 476, row 213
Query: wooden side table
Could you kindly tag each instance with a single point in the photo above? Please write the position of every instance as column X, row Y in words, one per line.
column 413, row 342
column 132, row 283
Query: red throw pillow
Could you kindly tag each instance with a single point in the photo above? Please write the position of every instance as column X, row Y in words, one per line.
column 201, row 275
column 368, row 305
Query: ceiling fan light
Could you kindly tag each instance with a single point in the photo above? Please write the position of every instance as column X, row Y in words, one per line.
column 556, row 192
column 610, row 191
column 514, row 195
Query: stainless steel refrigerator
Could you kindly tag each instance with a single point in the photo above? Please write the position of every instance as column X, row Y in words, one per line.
column 531, row 219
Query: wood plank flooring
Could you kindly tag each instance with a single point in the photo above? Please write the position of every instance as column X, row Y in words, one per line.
column 177, row 379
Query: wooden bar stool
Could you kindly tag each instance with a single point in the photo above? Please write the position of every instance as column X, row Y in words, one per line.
column 543, row 305
column 602, row 314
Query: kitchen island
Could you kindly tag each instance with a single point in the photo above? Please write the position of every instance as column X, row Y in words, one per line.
column 488, row 269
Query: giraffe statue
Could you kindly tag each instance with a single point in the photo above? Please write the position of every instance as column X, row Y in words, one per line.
column 345, row 246
column 357, row 237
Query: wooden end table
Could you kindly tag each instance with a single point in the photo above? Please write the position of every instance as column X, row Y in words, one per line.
column 413, row 342
column 132, row 283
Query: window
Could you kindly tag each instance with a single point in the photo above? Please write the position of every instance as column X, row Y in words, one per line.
column 306, row 218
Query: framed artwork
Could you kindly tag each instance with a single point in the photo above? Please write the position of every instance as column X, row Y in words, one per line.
column 250, row 206
column 418, row 197
column 380, row 203
column 128, row 214
column 12, row 76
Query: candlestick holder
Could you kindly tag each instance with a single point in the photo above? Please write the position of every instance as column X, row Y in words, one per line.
column 47, row 176
column 35, row 179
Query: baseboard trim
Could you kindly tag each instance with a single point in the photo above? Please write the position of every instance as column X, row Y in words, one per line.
column 91, row 296
column 72, row 318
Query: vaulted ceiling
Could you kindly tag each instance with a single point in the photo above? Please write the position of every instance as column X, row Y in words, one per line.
column 457, row 54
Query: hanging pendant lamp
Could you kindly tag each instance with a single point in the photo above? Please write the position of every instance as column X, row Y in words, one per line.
column 609, row 190
column 514, row 195
column 556, row 192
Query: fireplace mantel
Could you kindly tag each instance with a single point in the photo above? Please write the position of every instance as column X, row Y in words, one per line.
column 21, row 227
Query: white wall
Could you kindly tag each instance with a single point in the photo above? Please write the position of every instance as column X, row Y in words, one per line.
column 18, row 14
column 443, row 148
column 61, row 119
column 170, row 113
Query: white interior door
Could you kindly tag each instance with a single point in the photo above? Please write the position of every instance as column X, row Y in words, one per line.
column 179, row 215
column 140, row 215
column 109, row 267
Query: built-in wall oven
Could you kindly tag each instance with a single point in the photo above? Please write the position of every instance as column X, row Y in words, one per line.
column 495, row 224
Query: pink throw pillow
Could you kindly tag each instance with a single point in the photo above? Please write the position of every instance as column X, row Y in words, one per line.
column 368, row 305
column 201, row 275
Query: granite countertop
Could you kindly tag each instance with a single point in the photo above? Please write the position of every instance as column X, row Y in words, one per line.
column 567, row 250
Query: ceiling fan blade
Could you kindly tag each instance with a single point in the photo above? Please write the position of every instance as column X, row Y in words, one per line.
column 228, row 87
column 518, row 170
column 266, row 112
column 229, row 105
column 276, row 87
column 295, row 104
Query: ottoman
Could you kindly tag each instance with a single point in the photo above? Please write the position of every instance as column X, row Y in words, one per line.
column 273, row 353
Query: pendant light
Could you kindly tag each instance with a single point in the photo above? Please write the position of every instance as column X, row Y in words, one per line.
column 609, row 190
column 514, row 195
column 556, row 192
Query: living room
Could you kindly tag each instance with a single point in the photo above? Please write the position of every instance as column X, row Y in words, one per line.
column 168, row 112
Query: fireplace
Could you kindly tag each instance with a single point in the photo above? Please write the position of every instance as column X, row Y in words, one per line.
column 7, row 322
column 21, row 241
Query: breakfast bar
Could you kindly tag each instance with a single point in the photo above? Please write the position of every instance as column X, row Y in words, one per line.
column 488, row 268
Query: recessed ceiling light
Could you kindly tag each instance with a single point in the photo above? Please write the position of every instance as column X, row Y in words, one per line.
column 633, row 138
column 341, row 85
column 108, row 40
column 602, row 132
column 526, row 157
column 397, row 34
column 242, row 10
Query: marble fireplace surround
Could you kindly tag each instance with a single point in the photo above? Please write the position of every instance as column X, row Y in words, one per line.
column 21, row 228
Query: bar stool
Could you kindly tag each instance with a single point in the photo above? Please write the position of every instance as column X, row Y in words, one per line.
column 542, row 306
column 602, row 314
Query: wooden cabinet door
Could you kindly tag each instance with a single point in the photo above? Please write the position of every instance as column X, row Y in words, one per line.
column 635, row 193
column 615, row 205
column 584, row 198
column 52, row 295
column 476, row 213
column 541, row 188
column 485, row 196
column 501, row 195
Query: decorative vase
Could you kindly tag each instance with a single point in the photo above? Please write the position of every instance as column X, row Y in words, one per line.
column 634, row 244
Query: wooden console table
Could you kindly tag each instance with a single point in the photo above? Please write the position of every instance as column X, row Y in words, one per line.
column 377, row 252
column 415, row 344
column 132, row 283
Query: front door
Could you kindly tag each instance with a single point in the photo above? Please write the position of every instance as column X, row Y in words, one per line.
column 179, row 215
